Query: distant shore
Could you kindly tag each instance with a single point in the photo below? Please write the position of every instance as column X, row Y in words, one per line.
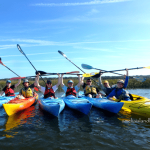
column 133, row 83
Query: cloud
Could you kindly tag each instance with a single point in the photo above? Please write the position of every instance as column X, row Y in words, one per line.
column 95, row 2
column 33, row 42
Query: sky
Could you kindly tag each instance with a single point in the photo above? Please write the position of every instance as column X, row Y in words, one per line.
column 106, row 34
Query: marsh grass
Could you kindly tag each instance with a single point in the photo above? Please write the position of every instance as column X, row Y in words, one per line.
column 131, row 85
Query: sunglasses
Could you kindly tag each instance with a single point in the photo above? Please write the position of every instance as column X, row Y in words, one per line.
column 89, row 81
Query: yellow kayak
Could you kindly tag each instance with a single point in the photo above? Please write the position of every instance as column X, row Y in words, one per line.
column 139, row 105
column 15, row 105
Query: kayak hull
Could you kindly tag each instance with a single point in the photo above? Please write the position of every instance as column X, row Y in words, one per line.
column 79, row 104
column 5, row 99
column 105, row 104
column 52, row 106
column 139, row 105
column 16, row 105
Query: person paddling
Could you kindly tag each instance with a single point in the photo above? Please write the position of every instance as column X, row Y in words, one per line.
column 27, row 90
column 107, row 88
column 119, row 91
column 49, row 90
column 70, row 90
column 9, row 89
column 89, row 89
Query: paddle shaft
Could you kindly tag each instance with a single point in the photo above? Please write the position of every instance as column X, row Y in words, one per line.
column 18, row 46
column 125, row 69
column 74, row 64
column 108, row 71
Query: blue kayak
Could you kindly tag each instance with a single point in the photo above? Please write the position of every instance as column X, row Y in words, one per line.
column 104, row 103
column 79, row 104
column 52, row 106
column 5, row 99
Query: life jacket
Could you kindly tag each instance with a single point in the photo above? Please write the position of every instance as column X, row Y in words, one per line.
column 27, row 92
column 71, row 91
column 90, row 90
column 9, row 92
column 124, row 95
column 49, row 93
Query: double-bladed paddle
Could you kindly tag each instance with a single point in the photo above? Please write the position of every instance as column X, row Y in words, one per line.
column 19, row 48
column 8, row 68
column 75, row 65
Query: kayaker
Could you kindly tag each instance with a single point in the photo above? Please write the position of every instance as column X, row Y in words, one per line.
column 27, row 90
column 119, row 92
column 70, row 90
column 9, row 89
column 49, row 90
column 89, row 89
column 107, row 88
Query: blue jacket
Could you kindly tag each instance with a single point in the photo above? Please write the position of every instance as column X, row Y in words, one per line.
column 118, row 92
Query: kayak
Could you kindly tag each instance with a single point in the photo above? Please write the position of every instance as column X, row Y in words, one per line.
column 104, row 103
column 5, row 99
column 79, row 104
column 139, row 105
column 51, row 105
column 15, row 105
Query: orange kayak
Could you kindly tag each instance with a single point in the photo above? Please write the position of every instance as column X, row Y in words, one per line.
column 15, row 105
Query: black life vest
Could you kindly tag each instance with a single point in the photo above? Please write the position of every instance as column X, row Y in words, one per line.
column 9, row 92
column 71, row 91
column 49, row 93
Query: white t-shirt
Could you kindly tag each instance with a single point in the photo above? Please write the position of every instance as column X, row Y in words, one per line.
column 42, row 89
column 65, row 88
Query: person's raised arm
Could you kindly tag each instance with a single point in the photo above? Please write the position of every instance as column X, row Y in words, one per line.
column 82, row 80
column 100, row 81
column 79, row 81
column 127, row 79
column 36, row 83
column 19, row 81
column 59, row 80
column 1, row 93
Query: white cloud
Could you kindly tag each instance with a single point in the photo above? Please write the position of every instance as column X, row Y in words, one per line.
column 95, row 2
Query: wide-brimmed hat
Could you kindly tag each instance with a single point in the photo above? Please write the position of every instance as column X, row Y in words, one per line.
column 70, row 81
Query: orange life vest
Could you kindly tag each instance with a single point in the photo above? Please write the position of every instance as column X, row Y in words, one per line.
column 71, row 91
column 49, row 93
column 9, row 92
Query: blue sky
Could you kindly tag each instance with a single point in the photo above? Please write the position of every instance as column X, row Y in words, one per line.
column 106, row 34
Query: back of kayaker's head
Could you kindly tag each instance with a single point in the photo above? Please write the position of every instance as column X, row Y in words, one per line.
column 106, row 83
column 48, row 84
column 8, row 83
column 120, row 83
column 70, row 83
column 26, row 82
column 89, row 81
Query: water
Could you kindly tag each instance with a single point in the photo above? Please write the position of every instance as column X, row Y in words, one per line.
column 34, row 129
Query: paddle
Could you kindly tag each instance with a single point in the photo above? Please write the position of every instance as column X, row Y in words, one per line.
column 19, row 48
column 7, row 67
column 43, row 72
column 73, row 63
column 85, row 66
column 129, row 69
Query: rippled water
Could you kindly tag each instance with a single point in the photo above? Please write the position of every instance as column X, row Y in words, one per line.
column 34, row 129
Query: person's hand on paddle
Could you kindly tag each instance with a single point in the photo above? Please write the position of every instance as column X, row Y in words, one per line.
column 58, row 74
column 100, row 73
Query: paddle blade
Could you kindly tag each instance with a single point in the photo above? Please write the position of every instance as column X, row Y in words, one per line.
column 41, row 72
column 85, row 66
column 15, row 78
column 36, row 89
column 18, row 46
column 62, row 54
column 1, row 62
column 147, row 67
